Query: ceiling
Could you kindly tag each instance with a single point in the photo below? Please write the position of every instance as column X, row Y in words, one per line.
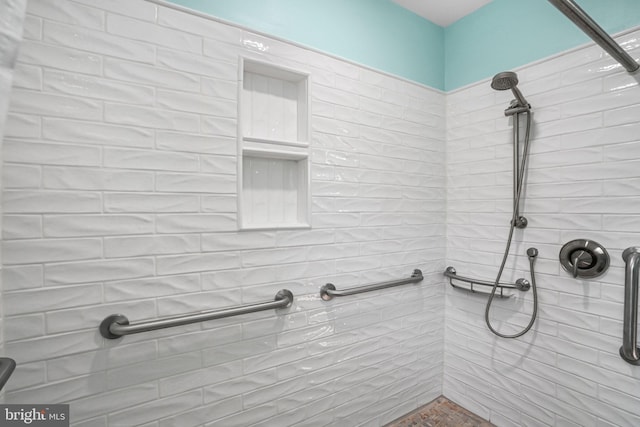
column 442, row 12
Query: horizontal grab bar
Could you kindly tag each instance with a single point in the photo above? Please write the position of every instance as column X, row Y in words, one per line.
column 117, row 325
column 450, row 272
column 329, row 291
column 629, row 350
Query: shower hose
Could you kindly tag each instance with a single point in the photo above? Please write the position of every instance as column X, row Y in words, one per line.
column 531, row 252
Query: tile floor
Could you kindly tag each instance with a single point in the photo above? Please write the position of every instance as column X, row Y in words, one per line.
column 441, row 413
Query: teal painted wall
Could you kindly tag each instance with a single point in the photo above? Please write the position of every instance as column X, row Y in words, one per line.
column 375, row 33
column 502, row 35
column 506, row 34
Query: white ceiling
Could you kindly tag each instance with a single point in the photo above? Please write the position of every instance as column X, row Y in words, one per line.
column 442, row 12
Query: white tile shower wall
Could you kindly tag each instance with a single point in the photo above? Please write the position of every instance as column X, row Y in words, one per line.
column 11, row 25
column 583, row 182
column 120, row 175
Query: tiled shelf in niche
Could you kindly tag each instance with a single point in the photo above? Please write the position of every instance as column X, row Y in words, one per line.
column 273, row 171
column 273, row 195
column 274, row 104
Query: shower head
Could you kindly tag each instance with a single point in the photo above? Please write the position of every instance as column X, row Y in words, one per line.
column 509, row 80
column 505, row 80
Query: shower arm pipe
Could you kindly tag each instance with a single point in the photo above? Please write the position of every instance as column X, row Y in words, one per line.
column 117, row 325
column 579, row 17
column 629, row 350
column 328, row 291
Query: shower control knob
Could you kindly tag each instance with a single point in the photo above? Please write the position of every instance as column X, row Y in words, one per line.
column 584, row 258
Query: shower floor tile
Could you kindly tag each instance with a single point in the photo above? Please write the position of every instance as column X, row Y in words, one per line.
column 440, row 413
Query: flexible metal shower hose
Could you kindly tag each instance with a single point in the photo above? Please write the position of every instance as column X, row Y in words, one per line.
column 534, row 314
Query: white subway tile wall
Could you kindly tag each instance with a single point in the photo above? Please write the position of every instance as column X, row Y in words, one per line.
column 14, row 23
column 120, row 197
column 119, row 172
column 582, row 183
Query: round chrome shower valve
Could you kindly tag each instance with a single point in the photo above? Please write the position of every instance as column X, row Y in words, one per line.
column 584, row 258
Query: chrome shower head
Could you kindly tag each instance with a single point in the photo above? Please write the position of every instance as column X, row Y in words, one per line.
column 509, row 80
column 504, row 81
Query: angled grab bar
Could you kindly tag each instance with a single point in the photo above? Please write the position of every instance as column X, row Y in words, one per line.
column 629, row 350
column 117, row 325
column 328, row 291
column 579, row 17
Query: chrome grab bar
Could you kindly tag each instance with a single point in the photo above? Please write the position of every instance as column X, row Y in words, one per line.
column 328, row 291
column 6, row 369
column 117, row 325
column 629, row 350
column 520, row 284
column 579, row 17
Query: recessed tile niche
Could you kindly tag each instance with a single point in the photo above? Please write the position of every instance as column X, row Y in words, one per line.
column 273, row 120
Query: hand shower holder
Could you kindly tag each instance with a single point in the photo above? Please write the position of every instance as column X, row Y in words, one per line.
column 520, row 284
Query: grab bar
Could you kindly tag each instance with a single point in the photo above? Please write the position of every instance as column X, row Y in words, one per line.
column 328, row 291
column 6, row 369
column 520, row 284
column 579, row 17
column 629, row 350
column 117, row 325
